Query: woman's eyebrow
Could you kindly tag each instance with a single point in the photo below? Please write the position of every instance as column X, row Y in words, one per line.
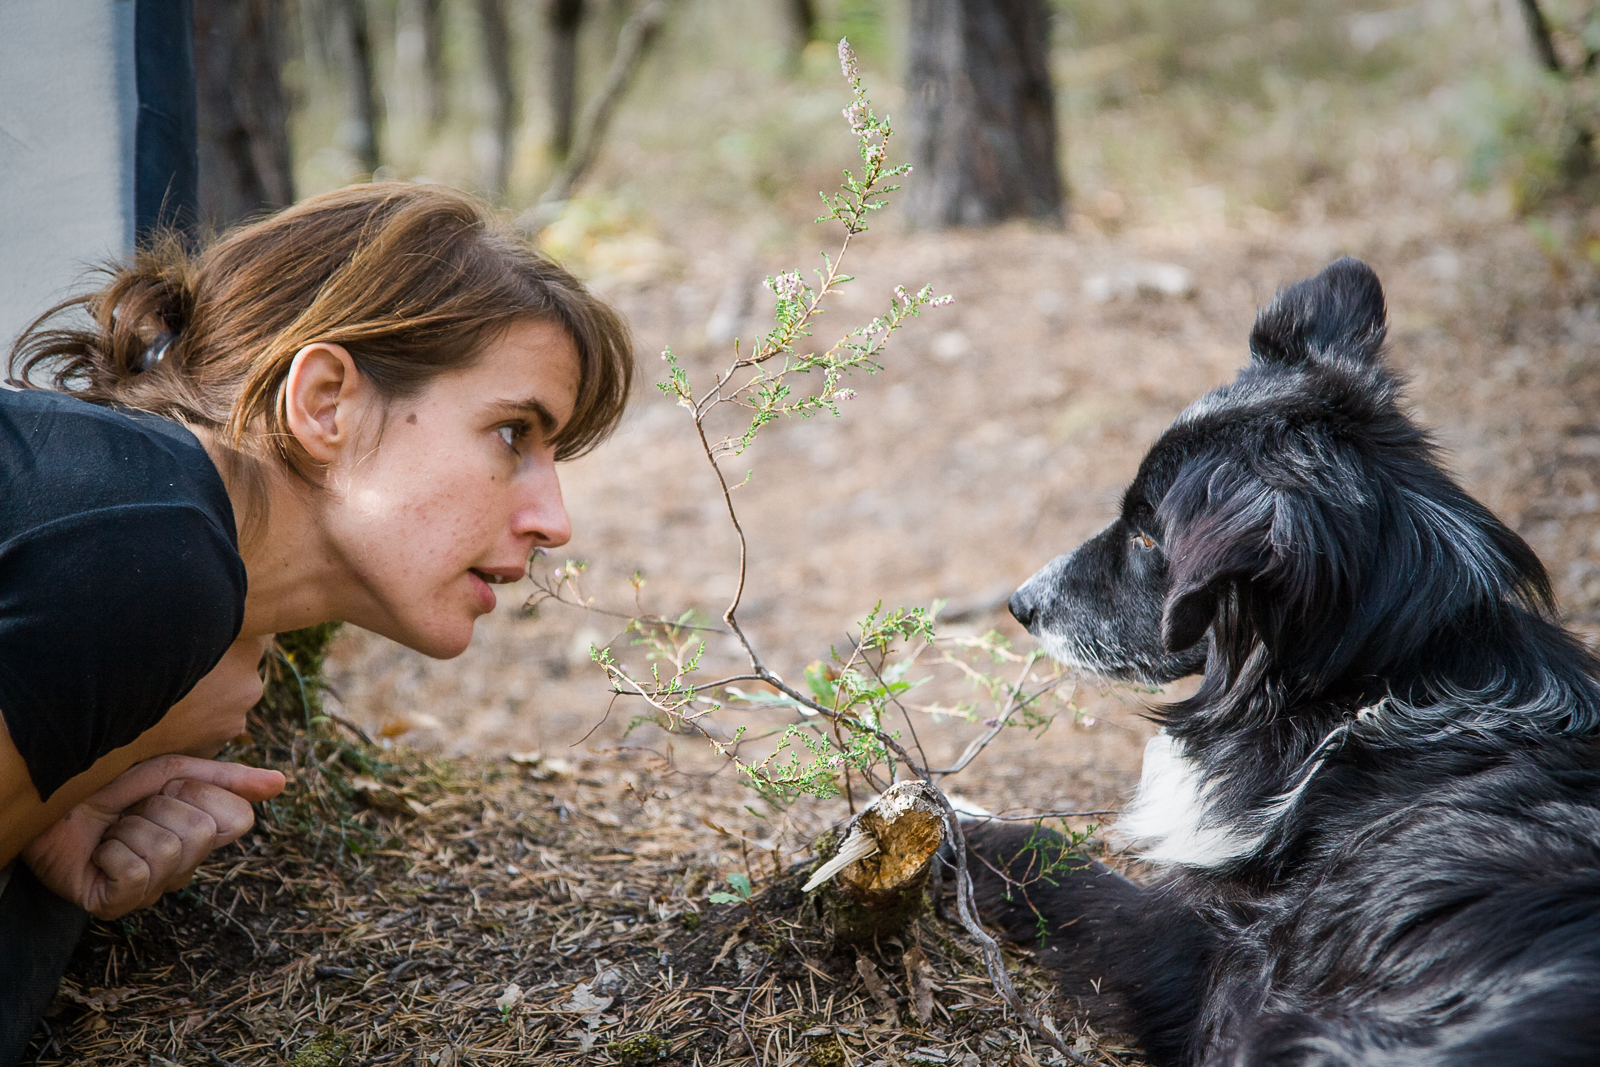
column 531, row 406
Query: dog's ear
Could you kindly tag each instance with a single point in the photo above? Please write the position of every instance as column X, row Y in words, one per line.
column 1219, row 523
column 1338, row 314
column 1186, row 616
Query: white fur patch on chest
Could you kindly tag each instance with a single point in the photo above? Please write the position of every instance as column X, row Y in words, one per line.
column 1170, row 819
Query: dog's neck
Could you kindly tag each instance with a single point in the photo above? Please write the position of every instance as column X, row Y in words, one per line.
column 1224, row 781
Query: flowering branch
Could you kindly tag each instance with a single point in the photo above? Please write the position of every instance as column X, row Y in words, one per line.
column 842, row 707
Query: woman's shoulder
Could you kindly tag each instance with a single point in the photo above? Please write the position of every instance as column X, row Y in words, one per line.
column 61, row 457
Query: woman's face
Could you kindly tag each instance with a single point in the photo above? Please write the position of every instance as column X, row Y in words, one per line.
column 451, row 495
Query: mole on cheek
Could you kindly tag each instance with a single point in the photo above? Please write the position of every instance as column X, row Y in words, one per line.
column 412, row 418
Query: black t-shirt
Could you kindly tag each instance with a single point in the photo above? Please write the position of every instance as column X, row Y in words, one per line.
column 121, row 584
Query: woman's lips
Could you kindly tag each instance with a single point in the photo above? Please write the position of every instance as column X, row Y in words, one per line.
column 486, row 598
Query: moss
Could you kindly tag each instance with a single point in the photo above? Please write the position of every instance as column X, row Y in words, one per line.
column 327, row 1049
column 639, row 1050
column 826, row 1052
column 848, row 922
column 295, row 679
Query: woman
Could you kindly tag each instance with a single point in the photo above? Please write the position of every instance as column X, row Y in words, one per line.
column 350, row 410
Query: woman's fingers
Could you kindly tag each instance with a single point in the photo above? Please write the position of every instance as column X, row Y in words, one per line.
column 152, row 776
column 194, row 830
column 125, row 884
column 230, row 813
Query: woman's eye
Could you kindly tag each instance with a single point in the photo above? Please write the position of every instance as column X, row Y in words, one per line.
column 1143, row 540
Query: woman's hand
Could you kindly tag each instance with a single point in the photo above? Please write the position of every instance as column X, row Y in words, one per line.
column 145, row 832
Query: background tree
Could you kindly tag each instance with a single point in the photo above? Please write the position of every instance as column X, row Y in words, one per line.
column 981, row 124
column 565, row 16
column 497, row 63
column 802, row 25
column 430, row 19
column 243, row 114
column 1578, row 161
column 366, row 103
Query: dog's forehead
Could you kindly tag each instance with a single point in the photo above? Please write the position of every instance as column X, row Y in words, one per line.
column 1254, row 392
column 1220, row 415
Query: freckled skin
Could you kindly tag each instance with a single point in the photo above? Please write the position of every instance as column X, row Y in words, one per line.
column 440, row 492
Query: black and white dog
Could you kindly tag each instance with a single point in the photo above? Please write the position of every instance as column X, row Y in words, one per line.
column 1378, row 819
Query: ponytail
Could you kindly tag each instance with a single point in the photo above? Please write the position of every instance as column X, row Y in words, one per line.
column 135, row 324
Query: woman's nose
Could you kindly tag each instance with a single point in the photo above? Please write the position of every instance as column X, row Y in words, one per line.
column 540, row 512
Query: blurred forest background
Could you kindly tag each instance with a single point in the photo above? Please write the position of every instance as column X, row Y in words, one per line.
column 1205, row 152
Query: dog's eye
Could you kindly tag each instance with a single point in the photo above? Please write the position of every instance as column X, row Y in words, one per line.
column 1143, row 540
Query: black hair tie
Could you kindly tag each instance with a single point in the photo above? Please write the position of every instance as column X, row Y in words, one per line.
column 156, row 350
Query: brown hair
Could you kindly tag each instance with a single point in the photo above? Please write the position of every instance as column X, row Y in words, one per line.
column 412, row 279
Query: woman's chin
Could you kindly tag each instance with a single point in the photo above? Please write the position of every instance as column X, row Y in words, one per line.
column 436, row 642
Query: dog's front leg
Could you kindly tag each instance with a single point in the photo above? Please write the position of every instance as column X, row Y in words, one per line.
column 1135, row 959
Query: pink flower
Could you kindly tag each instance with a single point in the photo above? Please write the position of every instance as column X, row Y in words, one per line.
column 847, row 61
column 856, row 115
column 787, row 286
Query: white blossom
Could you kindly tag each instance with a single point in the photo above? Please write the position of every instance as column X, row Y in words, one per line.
column 847, row 61
column 856, row 116
column 787, row 286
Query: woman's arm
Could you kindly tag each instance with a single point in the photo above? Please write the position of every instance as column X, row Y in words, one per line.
column 149, row 802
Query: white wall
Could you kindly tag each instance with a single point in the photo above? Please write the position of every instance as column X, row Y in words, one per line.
column 68, row 105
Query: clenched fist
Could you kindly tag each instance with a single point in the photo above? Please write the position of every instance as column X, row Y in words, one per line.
column 145, row 832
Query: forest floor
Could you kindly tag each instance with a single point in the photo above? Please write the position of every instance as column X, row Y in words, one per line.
column 998, row 436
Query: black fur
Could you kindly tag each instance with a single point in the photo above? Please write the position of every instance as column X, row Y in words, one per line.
column 1394, row 742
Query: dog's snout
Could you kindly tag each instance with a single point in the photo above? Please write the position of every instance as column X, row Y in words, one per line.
column 1022, row 608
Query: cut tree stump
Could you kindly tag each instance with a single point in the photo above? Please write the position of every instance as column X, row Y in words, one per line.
column 874, row 884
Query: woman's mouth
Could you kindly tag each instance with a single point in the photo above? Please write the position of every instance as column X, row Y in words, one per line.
column 480, row 585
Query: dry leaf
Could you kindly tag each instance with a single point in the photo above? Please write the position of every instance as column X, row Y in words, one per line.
column 99, row 999
column 584, row 1000
column 919, row 979
column 510, row 998
column 878, row 988
column 385, row 797
column 542, row 768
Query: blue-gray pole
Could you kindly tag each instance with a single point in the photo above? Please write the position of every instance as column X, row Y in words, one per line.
column 166, row 183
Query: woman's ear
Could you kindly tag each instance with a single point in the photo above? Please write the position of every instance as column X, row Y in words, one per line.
column 322, row 397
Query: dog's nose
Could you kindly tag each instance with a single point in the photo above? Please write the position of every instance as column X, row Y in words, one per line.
column 1021, row 610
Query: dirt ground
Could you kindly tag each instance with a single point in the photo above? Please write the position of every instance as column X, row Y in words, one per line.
column 1000, row 434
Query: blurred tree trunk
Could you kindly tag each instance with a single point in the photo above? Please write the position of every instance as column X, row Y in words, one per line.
column 243, row 111
column 431, row 20
column 1578, row 162
column 982, row 128
column 497, row 58
column 565, row 17
column 634, row 42
column 802, row 27
column 365, row 101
